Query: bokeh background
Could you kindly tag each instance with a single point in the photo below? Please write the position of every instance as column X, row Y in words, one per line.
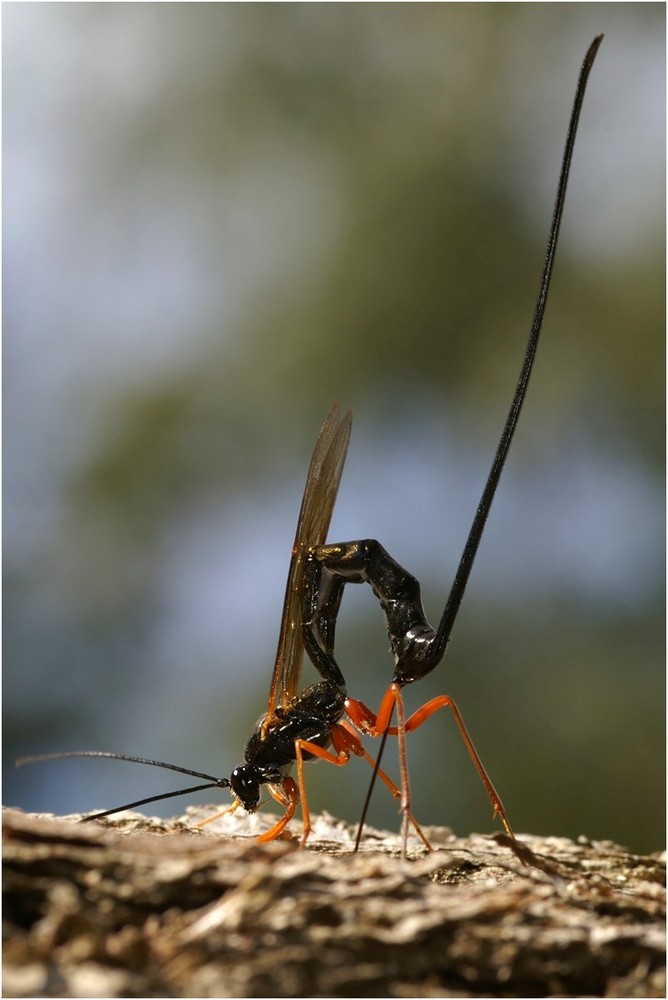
column 220, row 218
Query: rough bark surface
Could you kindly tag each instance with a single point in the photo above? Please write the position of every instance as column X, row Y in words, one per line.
column 133, row 907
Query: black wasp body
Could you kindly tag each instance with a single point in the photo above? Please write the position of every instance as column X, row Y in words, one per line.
column 322, row 722
column 416, row 646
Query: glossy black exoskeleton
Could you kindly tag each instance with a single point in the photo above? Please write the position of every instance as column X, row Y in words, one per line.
column 270, row 750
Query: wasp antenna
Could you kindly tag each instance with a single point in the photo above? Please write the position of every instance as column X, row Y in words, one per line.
column 41, row 758
column 222, row 783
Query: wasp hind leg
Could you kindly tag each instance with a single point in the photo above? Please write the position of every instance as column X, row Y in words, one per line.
column 377, row 724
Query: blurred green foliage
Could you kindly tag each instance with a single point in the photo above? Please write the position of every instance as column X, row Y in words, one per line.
column 250, row 211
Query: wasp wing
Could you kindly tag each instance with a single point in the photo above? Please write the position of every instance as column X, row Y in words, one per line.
column 322, row 485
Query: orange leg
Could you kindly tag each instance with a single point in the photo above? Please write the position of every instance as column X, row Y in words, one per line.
column 385, row 778
column 223, row 812
column 345, row 742
column 290, row 793
column 375, row 725
column 290, row 800
column 287, row 795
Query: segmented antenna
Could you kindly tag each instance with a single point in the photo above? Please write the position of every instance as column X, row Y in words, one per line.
column 211, row 782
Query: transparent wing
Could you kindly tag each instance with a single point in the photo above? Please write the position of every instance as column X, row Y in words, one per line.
column 322, row 485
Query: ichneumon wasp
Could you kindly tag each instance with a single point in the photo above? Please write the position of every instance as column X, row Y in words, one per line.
column 322, row 722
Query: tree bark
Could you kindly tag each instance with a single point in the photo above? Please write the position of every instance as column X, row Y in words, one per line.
column 136, row 907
